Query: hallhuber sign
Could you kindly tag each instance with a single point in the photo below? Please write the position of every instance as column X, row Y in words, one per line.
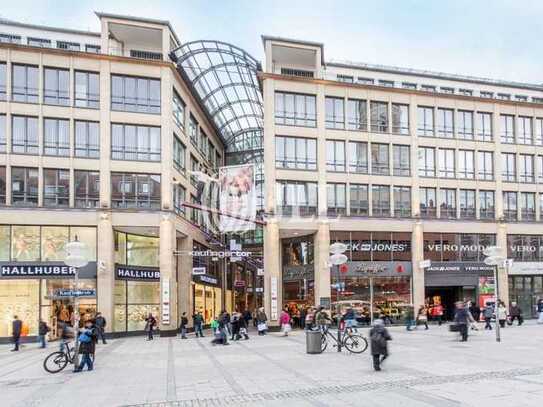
column 123, row 272
column 31, row 270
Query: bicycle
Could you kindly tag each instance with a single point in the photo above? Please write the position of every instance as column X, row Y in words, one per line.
column 354, row 343
column 57, row 361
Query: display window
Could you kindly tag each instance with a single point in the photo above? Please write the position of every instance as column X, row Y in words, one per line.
column 4, row 243
column 20, row 298
column 25, row 243
column 134, row 300
column 53, row 241
column 207, row 300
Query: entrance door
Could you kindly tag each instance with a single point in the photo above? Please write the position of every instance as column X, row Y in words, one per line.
column 447, row 296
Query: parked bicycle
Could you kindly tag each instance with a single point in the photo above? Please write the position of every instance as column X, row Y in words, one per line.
column 57, row 361
column 353, row 342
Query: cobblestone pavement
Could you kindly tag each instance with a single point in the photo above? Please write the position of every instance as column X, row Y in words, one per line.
column 426, row 368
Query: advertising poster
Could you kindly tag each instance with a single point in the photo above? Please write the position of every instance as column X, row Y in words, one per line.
column 237, row 197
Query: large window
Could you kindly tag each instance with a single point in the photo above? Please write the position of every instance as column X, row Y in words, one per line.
column 56, row 86
column 24, row 83
column 87, row 139
column 445, row 123
column 358, row 200
column 400, row 119
column 485, row 165
column 2, row 185
column 24, row 134
column 401, row 160
column 510, row 205
column 357, row 114
column 87, row 89
column 24, row 186
column 135, row 190
column 3, row 82
column 446, row 163
column 379, row 117
column 131, row 94
column 447, row 204
column 336, row 199
column 178, row 110
column 3, row 138
column 527, row 205
column 486, row 204
column 427, row 161
column 427, row 202
column 467, row 203
column 179, row 198
column 296, row 198
column 56, row 187
column 335, row 113
column 193, row 131
column 380, row 200
column 295, row 109
column 484, row 126
column 179, row 155
column 465, row 125
column 466, row 164
column 425, row 121
column 335, row 155
column 524, row 126
column 358, row 157
column 402, row 202
column 138, row 143
column 379, row 159
column 87, row 189
column 296, row 153
column 526, row 168
column 509, row 167
column 507, row 123
column 56, row 138
column 538, row 129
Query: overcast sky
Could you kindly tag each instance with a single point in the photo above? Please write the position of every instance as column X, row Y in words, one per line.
column 499, row 39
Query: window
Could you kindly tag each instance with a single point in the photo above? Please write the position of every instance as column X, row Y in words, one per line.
column 524, row 135
column 425, row 121
column 138, row 143
column 538, row 124
column 484, row 126
column 380, row 200
column 467, row 203
column 131, row 94
column 87, row 89
column 446, row 163
column 178, row 110
column 87, row 139
column 465, row 125
column 488, row 95
column 447, row 203
column 510, row 205
column 202, row 143
column 95, row 49
column 193, row 131
column 402, row 202
column 24, row 186
column 388, row 84
column 24, row 86
column 335, row 155
column 194, row 167
column 3, row 139
column 444, row 89
column 401, row 160
column 445, row 124
column 379, row 159
column 70, row 46
column 357, row 114
column 306, row 74
column 428, row 88
column 296, row 153
column 179, row 154
column 408, row 85
column 296, row 198
column 136, row 53
column 24, row 134
column 295, row 109
column 427, row 202
column 537, row 100
column 466, row 164
column 179, row 197
column 3, row 82
column 521, row 98
column 56, row 86
column 465, row 92
column 509, row 167
column 485, row 165
column 2, row 185
column 540, row 169
column 340, row 78
column 527, row 206
column 10, row 39
column 335, row 113
column 135, row 190
column 56, row 187
column 503, row 96
column 358, row 199
column 336, row 199
column 486, row 204
column 56, row 140
column 87, row 189
column 427, row 162
column 400, row 119
column 526, row 168
column 365, row 81
column 358, row 157
column 507, row 128
column 379, row 117
column 38, row 42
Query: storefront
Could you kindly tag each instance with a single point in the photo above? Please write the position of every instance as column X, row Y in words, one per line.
column 298, row 273
column 206, row 286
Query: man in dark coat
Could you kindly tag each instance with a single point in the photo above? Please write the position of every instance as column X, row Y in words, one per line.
column 461, row 318
column 516, row 313
column 475, row 311
column 100, row 324
column 87, row 347
column 17, row 328
column 379, row 338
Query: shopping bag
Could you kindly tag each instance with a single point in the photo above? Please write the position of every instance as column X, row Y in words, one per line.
column 287, row 328
column 261, row 327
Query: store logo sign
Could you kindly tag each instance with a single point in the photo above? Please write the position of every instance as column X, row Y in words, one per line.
column 525, row 249
column 361, row 246
column 208, row 279
column 36, row 271
column 137, row 273
column 455, row 248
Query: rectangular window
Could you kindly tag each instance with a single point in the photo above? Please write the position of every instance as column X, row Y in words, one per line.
column 24, row 186
column 194, row 167
column 296, row 153
column 3, row 185
column 540, row 169
column 3, row 139
column 402, row 202
column 445, row 123
column 486, row 204
column 425, row 121
column 336, row 199
column 335, row 155
column 296, row 198
column 365, row 81
column 357, row 114
column 427, row 161
column 87, row 89
column 3, row 82
column 509, row 167
column 340, row 78
column 521, row 98
column 409, row 85
column 24, row 83
column 526, row 168
column 484, row 126
column 193, row 131
column 527, row 206
column 87, row 189
column 467, row 203
column 465, row 92
column 400, row 119
column 56, row 187
column 95, row 49
column 358, row 200
column 488, row 95
column 178, row 110
column 24, row 134
column 379, row 117
column 427, row 202
column 510, row 205
column 503, row 96
column 69, row 46
column 428, row 88
column 388, row 84
column 401, row 160
column 465, row 125
column 202, row 143
column 379, row 159
column 179, row 155
column 295, row 109
column 466, row 164
column 538, row 126
column 447, row 204
column 380, row 200
column 87, row 139
column 56, row 86
column 10, row 39
column 507, row 123
column 446, row 163
column 131, row 94
column 444, row 89
column 524, row 133
column 335, row 113
column 485, row 165
column 137, row 143
column 38, row 42
column 358, row 157
column 179, row 197
column 135, row 190
column 56, row 137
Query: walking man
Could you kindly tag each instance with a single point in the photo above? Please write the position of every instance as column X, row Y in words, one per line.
column 379, row 338
column 461, row 318
column 198, row 321
column 515, row 313
column 100, row 324
column 42, row 331
column 149, row 326
column 488, row 311
column 16, row 328
column 183, row 326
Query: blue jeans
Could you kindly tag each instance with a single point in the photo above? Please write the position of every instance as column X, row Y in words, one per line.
column 198, row 330
column 16, row 342
column 183, row 332
column 43, row 342
column 86, row 360
column 224, row 335
column 408, row 324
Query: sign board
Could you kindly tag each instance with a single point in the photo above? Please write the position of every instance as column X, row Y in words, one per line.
column 208, row 279
column 64, row 292
column 259, row 289
column 37, row 270
column 136, row 273
column 165, row 286
column 458, row 266
column 237, row 197
column 378, row 269
column 239, row 284
column 198, row 271
column 273, row 294
column 425, row 263
column 220, row 254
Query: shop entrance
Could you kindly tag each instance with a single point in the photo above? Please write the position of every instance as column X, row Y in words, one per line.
column 446, row 296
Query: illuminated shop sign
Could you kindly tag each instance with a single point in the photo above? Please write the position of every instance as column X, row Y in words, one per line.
column 137, row 273
column 455, row 247
column 452, row 267
column 220, row 254
column 362, row 246
column 208, row 279
column 30, row 270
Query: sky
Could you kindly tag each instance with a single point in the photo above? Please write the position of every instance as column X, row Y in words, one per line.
column 498, row 39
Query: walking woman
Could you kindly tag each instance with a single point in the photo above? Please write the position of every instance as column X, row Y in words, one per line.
column 150, row 323
column 261, row 319
column 284, row 320
column 502, row 314
column 422, row 316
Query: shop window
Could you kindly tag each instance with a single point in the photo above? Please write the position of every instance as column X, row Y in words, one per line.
column 4, row 243
column 134, row 301
column 25, row 243
column 21, row 298
column 298, row 252
column 53, row 241
column 142, row 251
column 85, row 235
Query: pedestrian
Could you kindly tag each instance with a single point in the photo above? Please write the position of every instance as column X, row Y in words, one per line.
column 461, row 319
column 475, row 311
column 16, row 330
column 309, row 322
column 198, row 322
column 67, row 333
column 540, row 311
column 516, row 313
column 247, row 317
column 43, row 329
column 150, row 323
column 379, row 338
column 228, row 322
column 422, row 317
column 261, row 319
column 224, row 320
column 236, row 317
column 243, row 326
column 303, row 314
column 217, row 337
column 100, row 323
column 488, row 312
column 322, row 319
column 502, row 314
column 183, row 325
column 284, row 321
column 87, row 346
column 409, row 317
column 350, row 320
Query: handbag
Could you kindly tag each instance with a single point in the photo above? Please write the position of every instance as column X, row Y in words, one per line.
column 287, row 328
column 261, row 326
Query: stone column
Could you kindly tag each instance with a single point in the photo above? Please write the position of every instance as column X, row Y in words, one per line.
column 322, row 270
column 184, row 277
column 272, row 270
column 168, row 274
column 503, row 280
column 106, row 269
column 417, row 251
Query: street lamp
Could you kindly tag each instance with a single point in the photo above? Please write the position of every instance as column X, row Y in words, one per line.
column 76, row 258
column 494, row 258
column 338, row 258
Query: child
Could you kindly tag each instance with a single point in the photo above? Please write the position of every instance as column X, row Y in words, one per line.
column 87, row 340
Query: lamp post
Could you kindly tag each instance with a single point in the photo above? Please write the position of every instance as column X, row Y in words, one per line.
column 76, row 257
column 494, row 258
column 336, row 259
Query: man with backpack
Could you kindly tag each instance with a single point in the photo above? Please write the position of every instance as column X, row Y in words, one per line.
column 379, row 338
column 87, row 341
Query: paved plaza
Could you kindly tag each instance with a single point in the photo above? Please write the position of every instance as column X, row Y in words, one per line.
column 426, row 368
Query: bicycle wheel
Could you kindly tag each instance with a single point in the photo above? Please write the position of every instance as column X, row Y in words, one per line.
column 55, row 362
column 355, row 343
column 324, row 343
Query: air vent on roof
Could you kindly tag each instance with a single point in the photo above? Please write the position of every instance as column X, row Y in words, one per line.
column 297, row 72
